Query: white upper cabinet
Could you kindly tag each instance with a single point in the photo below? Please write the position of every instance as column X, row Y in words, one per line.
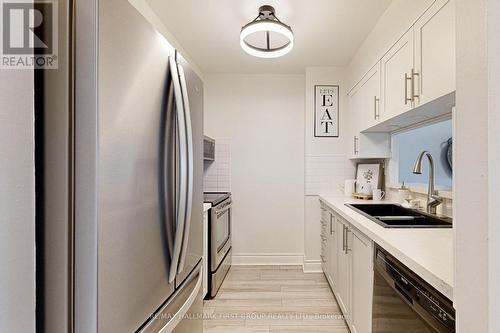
column 365, row 111
column 435, row 52
column 417, row 77
column 370, row 93
column 397, row 67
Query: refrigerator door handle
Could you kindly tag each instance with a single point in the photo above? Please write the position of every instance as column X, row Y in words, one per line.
column 190, row 168
column 183, row 170
column 167, row 168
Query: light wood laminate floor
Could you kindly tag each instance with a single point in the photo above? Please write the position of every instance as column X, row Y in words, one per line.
column 273, row 299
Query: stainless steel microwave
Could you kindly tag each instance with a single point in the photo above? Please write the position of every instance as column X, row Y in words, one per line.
column 208, row 149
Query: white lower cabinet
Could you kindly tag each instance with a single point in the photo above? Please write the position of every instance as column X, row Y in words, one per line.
column 343, row 288
column 348, row 266
column 361, row 251
column 332, row 253
column 324, row 240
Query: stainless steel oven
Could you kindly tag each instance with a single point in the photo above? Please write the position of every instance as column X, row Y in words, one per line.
column 403, row 302
column 220, row 229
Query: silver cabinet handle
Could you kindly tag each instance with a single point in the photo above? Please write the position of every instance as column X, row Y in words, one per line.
column 376, row 103
column 347, row 231
column 331, row 224
column 343, row 238
column 407, row 78
column 190, row 167
column 356, row 141
column 413, row 75
column 182, row 173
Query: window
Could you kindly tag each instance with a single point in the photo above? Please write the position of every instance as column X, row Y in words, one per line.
column 433, row 138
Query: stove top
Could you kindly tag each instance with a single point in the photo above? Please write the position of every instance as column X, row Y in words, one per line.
column 215, row 198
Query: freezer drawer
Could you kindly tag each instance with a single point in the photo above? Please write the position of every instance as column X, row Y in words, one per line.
column 183, row 312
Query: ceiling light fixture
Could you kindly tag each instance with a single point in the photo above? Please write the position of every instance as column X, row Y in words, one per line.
column 266, row 36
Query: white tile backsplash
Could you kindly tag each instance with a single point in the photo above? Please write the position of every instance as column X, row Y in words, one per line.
column 217, row 174
column 327, row 173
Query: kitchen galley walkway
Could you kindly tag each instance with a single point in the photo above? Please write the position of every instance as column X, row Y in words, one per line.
column 273, row 299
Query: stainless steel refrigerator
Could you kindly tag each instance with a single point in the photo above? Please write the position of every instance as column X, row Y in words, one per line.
column 118, row 178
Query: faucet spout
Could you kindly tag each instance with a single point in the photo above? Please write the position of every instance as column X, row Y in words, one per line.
column 433, row 200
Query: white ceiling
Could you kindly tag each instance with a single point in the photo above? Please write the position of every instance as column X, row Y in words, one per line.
column 327, row 32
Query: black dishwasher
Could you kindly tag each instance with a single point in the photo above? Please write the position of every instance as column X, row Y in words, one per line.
column 403, row 302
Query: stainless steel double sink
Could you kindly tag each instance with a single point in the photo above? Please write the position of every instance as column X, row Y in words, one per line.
column 396, row 216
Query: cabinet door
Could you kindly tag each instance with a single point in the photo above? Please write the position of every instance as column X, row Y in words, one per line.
column 332, row 253
column 343, row 282
column 362, row 107
column 324, row 239
column 354, row 116
column 369, row 94
column 361, row 250
column 397, row 67
column 435, row 52
column 373, row 145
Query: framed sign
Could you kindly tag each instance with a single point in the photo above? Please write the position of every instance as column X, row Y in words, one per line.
column 326, row 111
column 370, row 173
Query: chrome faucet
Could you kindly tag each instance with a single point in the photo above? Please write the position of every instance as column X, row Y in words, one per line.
column 433, row 200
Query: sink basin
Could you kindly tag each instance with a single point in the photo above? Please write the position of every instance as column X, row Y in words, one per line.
column 396, row 216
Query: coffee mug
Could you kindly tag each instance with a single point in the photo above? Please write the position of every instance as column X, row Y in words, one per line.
column 378, row 195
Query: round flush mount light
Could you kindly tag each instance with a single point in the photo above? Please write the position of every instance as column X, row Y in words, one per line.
column 266, row 36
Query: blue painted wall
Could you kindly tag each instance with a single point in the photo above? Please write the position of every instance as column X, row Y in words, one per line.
column 432, row 138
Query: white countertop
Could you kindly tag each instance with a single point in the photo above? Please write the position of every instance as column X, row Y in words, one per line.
column 427, row 252
column 206, row 207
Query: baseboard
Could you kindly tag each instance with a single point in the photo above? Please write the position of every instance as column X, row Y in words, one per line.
column 268, row 259
column 312, row 266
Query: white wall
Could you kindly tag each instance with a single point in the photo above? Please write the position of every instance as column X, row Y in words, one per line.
column 17, row 202
column 262, row 117
column 326, row 160
column 470, row 173
column 398, row 18
column 143, row 7
column 494, row 161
